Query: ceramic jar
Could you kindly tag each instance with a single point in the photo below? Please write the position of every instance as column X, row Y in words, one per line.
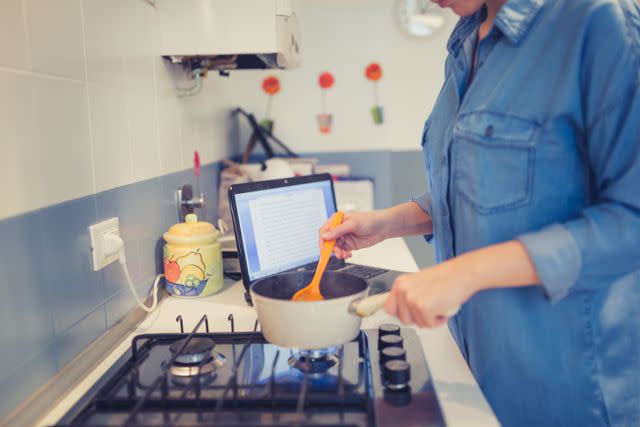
column 192, row 259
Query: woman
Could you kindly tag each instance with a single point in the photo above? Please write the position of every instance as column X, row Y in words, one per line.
column 533, row 157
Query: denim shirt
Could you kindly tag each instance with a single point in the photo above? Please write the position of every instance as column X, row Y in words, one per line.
column 543, row 146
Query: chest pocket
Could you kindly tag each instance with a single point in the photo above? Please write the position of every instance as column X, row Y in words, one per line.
column 493, row 157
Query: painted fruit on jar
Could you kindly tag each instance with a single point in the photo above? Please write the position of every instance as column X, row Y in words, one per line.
column 171, row 270
column 186, row 275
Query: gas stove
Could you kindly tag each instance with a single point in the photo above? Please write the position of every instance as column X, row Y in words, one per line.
column 238, row 379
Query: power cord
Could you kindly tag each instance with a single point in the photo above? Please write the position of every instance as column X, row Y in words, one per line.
column 115, row 245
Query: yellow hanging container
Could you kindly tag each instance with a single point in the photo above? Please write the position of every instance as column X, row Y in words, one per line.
column 192, row 258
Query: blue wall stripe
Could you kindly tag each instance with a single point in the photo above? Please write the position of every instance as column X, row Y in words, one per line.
column 54, row 305
column 56, row 301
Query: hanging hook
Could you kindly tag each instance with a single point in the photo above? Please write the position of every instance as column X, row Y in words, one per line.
column 179, row 320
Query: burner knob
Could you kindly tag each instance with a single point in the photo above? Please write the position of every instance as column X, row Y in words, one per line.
column 388, row 329
column 392, row 353
column 389, row 341
column 397, row 397
column 396, row 374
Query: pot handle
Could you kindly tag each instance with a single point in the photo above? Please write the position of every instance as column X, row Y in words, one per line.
column 365, row 307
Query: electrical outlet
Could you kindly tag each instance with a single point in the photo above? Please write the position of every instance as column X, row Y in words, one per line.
column 98, row 244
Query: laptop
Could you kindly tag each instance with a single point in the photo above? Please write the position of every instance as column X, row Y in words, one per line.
column 276, row 224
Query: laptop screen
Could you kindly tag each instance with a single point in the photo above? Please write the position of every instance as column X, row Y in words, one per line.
column 280, row 225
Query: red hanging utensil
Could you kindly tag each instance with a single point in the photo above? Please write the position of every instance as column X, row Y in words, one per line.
column 196, row 163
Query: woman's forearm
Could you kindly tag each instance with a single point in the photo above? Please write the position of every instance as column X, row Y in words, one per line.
column 406, row 219
column 500, row 266
column 497, row 266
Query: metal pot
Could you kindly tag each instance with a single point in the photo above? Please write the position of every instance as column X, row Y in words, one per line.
column 309, row 325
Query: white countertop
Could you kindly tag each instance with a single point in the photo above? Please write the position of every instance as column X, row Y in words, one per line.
column 460, row 397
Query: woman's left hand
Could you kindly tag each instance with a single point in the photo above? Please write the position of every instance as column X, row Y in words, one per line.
column 429, row 297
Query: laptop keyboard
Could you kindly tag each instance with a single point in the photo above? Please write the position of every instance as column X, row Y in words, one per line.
column 336, row 264
column 364, row 271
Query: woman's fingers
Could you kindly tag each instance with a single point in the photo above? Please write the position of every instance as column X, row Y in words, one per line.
column 348, row 226
column 339, row 252
column 391, row 305
column 418, row 299
column 400, row 291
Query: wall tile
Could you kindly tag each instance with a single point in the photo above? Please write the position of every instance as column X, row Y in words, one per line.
column 64, row 147
column 55, row 37
column 109, row 135
column 143, row 133
column 34, row 369
column 374, row 164
column 190, row 137
column 169, row 135
column 75, row 339
column 119, row 304
column 156, row 205
column 209, row 181
column 18, row 144
column 13, row 36
column 75, row 289
column 139, row 208
column 140, row 50
column 105, row 43
column 25, row 308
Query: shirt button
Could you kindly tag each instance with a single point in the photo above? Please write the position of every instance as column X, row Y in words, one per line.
column 489, row 131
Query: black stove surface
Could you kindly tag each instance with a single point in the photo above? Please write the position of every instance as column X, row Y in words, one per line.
column 246, row 381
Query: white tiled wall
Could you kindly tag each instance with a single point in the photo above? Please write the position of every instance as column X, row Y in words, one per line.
column 87, row 104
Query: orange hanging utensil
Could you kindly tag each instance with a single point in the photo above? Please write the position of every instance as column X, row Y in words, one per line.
column 311, row 292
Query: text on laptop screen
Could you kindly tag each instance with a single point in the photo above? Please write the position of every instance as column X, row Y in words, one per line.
column 280, row 226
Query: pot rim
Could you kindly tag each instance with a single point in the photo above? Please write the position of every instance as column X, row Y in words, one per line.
column 344, row 299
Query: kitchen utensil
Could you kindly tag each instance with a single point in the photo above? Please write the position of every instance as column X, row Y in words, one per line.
column 313, row 324
column 367, row 306
column 311, row 292
column 192, row 258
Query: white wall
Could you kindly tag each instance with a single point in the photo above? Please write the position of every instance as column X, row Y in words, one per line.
column 87, row 104
column 343, row 36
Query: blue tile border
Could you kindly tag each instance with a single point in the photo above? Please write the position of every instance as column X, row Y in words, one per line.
column 75, row 339
column 68, row 264
column 25, row 310
column 48, row 284
column 62, row 304
column 27, row 377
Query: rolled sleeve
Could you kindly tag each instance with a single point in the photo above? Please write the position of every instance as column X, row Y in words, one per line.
column 425, row 203
column 556, row 257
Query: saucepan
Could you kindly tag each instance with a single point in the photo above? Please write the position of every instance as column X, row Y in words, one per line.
column 313, row 325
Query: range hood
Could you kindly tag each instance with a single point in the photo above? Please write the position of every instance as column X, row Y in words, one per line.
column 229, row 34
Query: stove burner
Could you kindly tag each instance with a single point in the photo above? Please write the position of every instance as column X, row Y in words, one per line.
column 314, row 361
column 196, row 351
column 182, row 374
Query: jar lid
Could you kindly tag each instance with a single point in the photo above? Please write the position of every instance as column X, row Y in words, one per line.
column 191, row 231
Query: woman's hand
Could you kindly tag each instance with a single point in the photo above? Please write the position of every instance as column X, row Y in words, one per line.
column 358, row 230
column 363, row 229
column 429, row 297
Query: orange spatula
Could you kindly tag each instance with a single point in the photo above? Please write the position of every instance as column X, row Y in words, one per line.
column 311, row 292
